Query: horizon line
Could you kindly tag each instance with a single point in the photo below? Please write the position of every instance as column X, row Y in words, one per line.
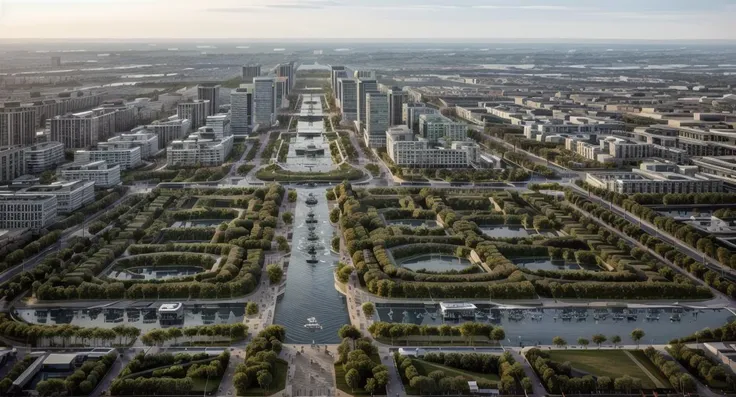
column 369, row 39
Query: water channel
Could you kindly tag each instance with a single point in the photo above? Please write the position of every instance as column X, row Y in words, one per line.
column 310, row 288
column 532, row 326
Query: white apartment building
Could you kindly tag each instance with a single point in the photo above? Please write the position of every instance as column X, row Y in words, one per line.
column 555, row 126
column 43, row 157
column 195, row 111
column 656, row 177
column 27, row 211
column 199, row 149
column 70, row 195
column 404, row 151
column 263, row 101
column 348, row 98
column 146, row 141
column 17, row 126
column 241, row 109
column 12, row 162
column 220, row 124
column 126, row 158
column 102, row 174
column 166, row 131
column 436, row 128
column 376, row 122
column 721, row 167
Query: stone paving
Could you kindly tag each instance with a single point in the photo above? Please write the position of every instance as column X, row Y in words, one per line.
column 310, row 370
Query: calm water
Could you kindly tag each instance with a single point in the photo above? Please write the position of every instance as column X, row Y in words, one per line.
column 310, row 288
column 507, row 231
column 530, row 326
column 435, row 262
column 142, row 316
column 412, row 222
column 154, row 273
column 549, row 264
column 200, row 223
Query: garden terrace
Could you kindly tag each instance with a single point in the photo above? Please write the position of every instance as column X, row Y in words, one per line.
column 449, row 373
column 622, row 371
column 165, row 373
column 581, row 260
column 133, row 269
column 710, row 277
column 274, row 172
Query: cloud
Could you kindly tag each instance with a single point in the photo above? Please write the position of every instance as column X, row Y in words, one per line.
column 530, row 7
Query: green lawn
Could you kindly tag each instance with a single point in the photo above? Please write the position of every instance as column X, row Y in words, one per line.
column 611, row 363
column 200, row 383
column 425, row 367
column 343, row 386
column 281, row 369
column 276, row 173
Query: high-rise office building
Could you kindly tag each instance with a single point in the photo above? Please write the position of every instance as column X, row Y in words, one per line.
column 396, row 99
column 17, row 126
column 250, row 72
column 364, row 87
column 376, row 124
column 195, row 111
column 286, row 70
column 263, row 101
column 334, row 72
column 348, row 99
column 241, row 109
column 281, row 91
column 210, row 92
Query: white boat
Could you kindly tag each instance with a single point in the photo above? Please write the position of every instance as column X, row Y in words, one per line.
column 312, row 324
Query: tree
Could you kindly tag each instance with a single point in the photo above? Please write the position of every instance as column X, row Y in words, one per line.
column 275, row 273
column 288, row 218
column 241, row 383
column 615, row 339
column 558, row 341
column 349, row 331
column 599, row 339
column 498, row 334
column 369, row 309
column 583, row 342
column 637, row 335
column 264, row 380
column 352, row 378
column 251, row 309
column 371, row 386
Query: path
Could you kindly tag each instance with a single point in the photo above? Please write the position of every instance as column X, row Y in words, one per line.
column 644, row 369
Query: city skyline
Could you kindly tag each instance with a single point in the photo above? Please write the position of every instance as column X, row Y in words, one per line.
column 380, row 19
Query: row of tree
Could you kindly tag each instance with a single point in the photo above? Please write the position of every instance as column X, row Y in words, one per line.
column 262, row 360
column 468, row 330
column 158, row 336
column 82, row 381
column 66, row 334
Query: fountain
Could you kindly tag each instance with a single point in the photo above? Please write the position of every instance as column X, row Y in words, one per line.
column 311, row 218
column 312, row 236
column 311, row 200
column 313, row 259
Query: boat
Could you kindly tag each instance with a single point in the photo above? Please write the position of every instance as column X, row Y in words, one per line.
column 479, row 315
column 312, row 324
column 675, row 317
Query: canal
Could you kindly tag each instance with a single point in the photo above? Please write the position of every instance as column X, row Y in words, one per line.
column 310, row 288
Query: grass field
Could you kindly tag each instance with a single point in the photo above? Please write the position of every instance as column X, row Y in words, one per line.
column 281, row 369
column 425, row 367
column 201, row 383
column 343, row 386
column 611, row 363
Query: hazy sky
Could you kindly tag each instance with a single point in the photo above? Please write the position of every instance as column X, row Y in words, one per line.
column 581, row 19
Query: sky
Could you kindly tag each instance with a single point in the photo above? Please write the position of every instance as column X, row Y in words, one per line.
column 378, row 19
